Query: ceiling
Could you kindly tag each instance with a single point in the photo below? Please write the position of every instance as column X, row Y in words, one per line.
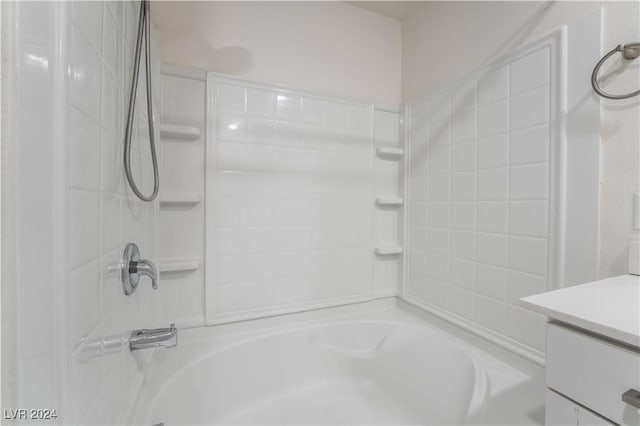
column 393, row 9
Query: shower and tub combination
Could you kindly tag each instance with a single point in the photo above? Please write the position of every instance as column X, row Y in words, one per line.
column 232, row 250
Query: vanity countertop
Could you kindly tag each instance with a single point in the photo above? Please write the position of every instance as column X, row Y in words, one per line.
column 609, row 307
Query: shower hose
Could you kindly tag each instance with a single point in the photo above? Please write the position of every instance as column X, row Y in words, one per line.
column 143, row 32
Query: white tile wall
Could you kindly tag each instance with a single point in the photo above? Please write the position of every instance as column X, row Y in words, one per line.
column 291, row 199
column 103, row 214
column 479, row 208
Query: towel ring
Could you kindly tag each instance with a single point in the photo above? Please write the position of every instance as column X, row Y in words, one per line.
column 629, row 52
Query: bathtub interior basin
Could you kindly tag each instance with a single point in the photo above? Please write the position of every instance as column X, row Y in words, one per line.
column 347, row 371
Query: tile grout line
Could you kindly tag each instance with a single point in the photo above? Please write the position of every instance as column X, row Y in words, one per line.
column 509, row 200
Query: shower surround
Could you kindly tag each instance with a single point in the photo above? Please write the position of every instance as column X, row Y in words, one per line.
column 485, row 193
column 283, row 184
column 277, row 200
column 73, row 67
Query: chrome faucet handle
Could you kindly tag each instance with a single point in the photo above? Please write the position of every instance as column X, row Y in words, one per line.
column 133, row 267
column 145, row 268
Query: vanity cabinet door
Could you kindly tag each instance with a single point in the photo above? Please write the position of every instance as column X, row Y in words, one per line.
column 593, row 372
column 587, row 418
column 561, row 411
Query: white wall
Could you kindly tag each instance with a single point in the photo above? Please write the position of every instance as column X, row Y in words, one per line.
column 30, row 379
column 325, row 47
column 289, row 201
column 69, row 65
column 481, row 161
column 387, row 219
column 316, row 46
column 183, row 224
column 442, row 41
column 181, row 297
column 103, row 214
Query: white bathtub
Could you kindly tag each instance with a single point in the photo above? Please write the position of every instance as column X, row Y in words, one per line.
column 338, row 366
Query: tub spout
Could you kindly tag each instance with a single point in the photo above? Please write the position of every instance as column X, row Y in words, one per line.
column 145, row 338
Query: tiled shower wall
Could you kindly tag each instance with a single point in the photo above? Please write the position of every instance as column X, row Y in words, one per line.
column 290, row 195
column 69, row 67
column 480, row 214
column 278, row 188
column 103, row 215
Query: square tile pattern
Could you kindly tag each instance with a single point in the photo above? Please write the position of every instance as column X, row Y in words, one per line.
column 293, row 213
column 479, row 176
column 102, row 212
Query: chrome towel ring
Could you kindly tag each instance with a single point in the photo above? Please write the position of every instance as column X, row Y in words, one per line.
column 630, row 51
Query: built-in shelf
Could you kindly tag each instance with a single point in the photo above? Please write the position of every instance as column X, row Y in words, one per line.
column 179, row 198
column 390, row 152
column 389, row 201
column 388, row 251
column 173, row 131
column 179, row 265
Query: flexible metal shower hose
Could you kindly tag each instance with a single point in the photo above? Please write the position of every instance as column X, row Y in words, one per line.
column 144, row 25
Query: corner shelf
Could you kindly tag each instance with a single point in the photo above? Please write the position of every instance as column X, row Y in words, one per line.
column 179, row 265
column 179, row 199
column 172, row 131
column 390, row 152
column 388, row 251
column 389, row 201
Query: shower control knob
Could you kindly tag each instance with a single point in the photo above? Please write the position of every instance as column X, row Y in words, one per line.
column 134, row 267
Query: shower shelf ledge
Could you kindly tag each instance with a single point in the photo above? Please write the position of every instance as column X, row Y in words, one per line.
column 389, row 201
column 179, row 199
column 173, row 131
column 179, row 265
column 390, row 152
column 388, row 251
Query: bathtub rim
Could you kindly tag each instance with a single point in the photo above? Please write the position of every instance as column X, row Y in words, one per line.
column 409, row 312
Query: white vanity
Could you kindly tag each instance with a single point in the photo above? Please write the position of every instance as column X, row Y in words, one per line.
column 592, row 352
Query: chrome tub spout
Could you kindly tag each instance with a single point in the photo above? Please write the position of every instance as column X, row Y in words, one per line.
column 151, row 338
